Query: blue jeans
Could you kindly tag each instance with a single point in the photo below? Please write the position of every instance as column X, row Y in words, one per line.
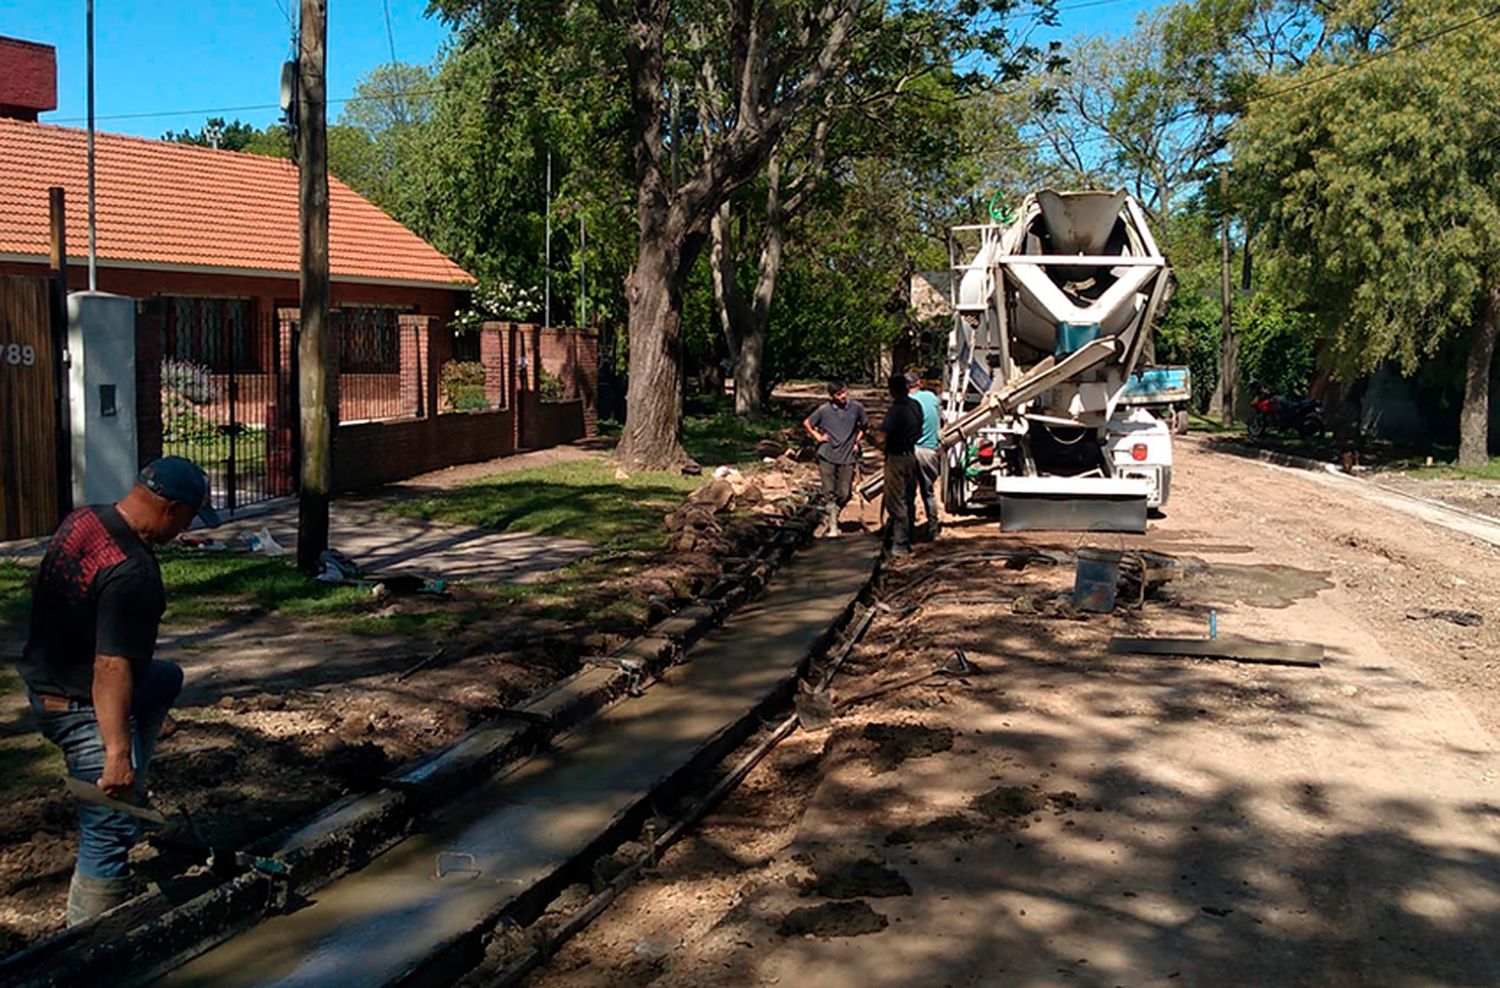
column 104, row 836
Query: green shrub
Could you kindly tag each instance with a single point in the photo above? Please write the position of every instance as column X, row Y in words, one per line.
column 194, row 382
column 461, row 384
column 549, row 387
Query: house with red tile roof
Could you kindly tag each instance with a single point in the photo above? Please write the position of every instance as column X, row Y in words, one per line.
column 210, row 235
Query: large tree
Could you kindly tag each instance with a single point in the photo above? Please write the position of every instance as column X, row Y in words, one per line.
column 776, row 60
column 1376, row 180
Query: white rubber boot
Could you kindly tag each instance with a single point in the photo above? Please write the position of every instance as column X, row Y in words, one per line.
column 88, row 897
column 833, row 521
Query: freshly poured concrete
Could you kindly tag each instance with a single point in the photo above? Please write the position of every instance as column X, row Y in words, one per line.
column 377, row 924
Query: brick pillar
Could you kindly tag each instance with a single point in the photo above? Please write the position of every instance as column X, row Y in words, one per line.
column 425, row 346
column 439, row 352
column 588, row 373
column 492, row 356
column 412, row 347
column 149, row 324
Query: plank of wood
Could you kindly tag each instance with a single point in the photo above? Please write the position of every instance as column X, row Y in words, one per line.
column 1303, row 654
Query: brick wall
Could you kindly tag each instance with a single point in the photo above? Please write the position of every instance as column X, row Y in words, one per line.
column 28, row 78
column 369, row 454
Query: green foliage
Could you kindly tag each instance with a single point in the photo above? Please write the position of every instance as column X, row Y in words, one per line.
column 1378, row 193
column 550, row 387
column 181, row 421
column 215, row 132
column 1276, row 345
column 461, row 383
column 1189, row 333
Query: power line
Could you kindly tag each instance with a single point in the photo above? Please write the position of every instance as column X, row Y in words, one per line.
column 1382, row 53
column 390, row 37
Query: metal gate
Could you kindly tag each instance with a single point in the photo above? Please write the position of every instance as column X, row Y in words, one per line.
column 30, row 497
column 226, row 396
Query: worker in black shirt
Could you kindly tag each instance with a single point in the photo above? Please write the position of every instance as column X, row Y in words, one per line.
column 94, row 687
column 899, row 433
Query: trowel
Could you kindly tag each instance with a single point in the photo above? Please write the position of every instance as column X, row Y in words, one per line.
column 181, row 830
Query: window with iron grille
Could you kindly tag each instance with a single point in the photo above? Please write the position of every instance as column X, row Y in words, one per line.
column 215, row 332
column 368, row 340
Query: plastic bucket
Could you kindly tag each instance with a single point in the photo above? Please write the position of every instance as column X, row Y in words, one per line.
column 1095, row 575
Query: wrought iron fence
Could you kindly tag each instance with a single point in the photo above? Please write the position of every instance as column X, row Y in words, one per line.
column 366, row 343
column 227, row 401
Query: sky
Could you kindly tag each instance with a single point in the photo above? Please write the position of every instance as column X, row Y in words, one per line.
column 169, row 64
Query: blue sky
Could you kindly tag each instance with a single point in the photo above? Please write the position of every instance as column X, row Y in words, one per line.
column 158, row 58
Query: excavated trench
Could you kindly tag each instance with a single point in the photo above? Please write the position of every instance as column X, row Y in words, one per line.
column 406, row 885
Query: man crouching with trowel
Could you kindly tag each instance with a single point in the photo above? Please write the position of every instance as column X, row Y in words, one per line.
column 94, row 687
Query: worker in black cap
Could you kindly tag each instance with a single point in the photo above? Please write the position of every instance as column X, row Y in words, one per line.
column 94, row 687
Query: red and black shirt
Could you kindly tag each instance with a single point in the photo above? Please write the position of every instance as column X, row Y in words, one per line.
column 98, row 592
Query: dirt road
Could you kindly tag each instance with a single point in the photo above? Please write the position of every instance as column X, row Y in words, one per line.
column 1067, row 817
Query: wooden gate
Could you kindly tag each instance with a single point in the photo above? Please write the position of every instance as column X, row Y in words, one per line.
column 28, row 413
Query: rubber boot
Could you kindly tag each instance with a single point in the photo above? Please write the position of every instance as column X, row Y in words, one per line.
column 833, row 521
column 88, row 897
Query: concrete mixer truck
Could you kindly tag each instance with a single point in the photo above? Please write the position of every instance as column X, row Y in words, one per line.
column 1046, row 408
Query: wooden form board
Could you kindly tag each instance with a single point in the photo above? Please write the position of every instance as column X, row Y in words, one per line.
column 1239, row 649
column 28, row 414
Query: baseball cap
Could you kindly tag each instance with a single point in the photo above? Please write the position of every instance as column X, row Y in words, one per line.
column 178, row 479
column 913, row 379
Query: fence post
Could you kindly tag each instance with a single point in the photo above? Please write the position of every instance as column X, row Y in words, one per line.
column 413, row 355
column 492, row 357
column 148, row 337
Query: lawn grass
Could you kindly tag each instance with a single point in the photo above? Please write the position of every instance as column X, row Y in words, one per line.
column 15, row 592
column 1213, row 426
column 205, row 586
column 1449, row 471
column 27, row 759
column 712, row 434
column 202, row 586
column 578, row 499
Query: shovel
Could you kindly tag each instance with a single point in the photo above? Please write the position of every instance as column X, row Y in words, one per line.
column 816, row 711
column 183, row 832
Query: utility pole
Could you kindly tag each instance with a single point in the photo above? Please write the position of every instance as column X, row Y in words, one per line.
column 1227, row 368
column 312, row 343
column 93, row 225
column 547, row 259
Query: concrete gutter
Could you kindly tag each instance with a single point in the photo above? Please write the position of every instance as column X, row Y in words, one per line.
column 1467, row 523
column 168, row 924
column 518, row 841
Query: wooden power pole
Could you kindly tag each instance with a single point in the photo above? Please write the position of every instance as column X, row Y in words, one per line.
column 1227, row 369
column 312, row 343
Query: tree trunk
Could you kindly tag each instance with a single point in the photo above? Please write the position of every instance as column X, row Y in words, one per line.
column 653, row 400
column 1474, row 420
column 749, row 373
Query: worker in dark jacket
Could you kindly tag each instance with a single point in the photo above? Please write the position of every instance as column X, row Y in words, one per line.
column 93, row 685
column 899, row 433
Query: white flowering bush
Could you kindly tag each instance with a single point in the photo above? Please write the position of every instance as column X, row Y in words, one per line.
column 499, row 300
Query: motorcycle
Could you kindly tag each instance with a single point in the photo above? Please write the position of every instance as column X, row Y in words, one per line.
column 1304, row 416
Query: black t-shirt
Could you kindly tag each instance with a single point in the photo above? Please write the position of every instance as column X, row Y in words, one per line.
column 98, row 592
column 902, row 426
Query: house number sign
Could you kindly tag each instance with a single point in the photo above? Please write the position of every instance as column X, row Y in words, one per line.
column 17, row 355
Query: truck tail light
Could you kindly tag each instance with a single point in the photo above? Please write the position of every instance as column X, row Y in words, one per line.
column 1138, row 452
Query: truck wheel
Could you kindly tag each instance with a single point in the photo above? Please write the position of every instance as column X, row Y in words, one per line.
column 1181, row 421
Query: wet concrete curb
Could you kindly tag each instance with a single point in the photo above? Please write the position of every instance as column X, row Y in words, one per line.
column 1266, row 455
column 162, row 929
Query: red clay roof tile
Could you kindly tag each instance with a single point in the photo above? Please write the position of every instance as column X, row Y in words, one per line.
column 161, row 203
